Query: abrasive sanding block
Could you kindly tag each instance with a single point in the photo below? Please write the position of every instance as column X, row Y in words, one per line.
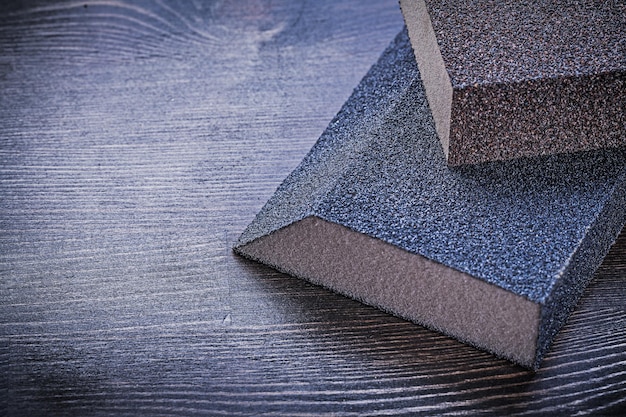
column 509, row 78
column 495, row 255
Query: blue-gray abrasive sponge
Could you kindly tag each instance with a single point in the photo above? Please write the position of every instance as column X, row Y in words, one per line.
column 495, row 255
column 510, row 78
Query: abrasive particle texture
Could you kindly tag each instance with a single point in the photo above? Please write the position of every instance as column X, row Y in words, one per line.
column 534, row 227
column 342, row 143
column 508, row 41
column 538, row 117
column 528, row 78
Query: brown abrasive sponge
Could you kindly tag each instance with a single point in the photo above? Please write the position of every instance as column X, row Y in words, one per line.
column 508, row 78
column 495, row 254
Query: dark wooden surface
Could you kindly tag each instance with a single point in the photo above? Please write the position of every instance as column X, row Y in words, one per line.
column 137, row 140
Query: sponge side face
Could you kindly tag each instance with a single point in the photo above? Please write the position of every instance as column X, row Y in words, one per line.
column 537, row 117
column 407, row 285
column 431, row 66
column 527, row 78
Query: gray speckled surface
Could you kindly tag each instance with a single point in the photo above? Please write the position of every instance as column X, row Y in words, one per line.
column 538, row 117
column 536, row 227
column 532, row 78
column 508, row 41
column 342, row 143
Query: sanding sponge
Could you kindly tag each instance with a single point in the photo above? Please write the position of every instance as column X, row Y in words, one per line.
column 495, row 255
column 509, row 78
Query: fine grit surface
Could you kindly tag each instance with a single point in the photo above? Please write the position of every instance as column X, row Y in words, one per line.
column 494, row 254
column 508, row 79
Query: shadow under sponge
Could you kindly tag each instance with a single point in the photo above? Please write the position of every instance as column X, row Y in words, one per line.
column 495, row 255
column 508, row 79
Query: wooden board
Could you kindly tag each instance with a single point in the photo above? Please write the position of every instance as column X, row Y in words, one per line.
column 136, row 143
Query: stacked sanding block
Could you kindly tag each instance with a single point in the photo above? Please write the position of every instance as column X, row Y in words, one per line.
column 510, row 78
column 494, row 254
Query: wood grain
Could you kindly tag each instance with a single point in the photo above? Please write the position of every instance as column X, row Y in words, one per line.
column 137, row 140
